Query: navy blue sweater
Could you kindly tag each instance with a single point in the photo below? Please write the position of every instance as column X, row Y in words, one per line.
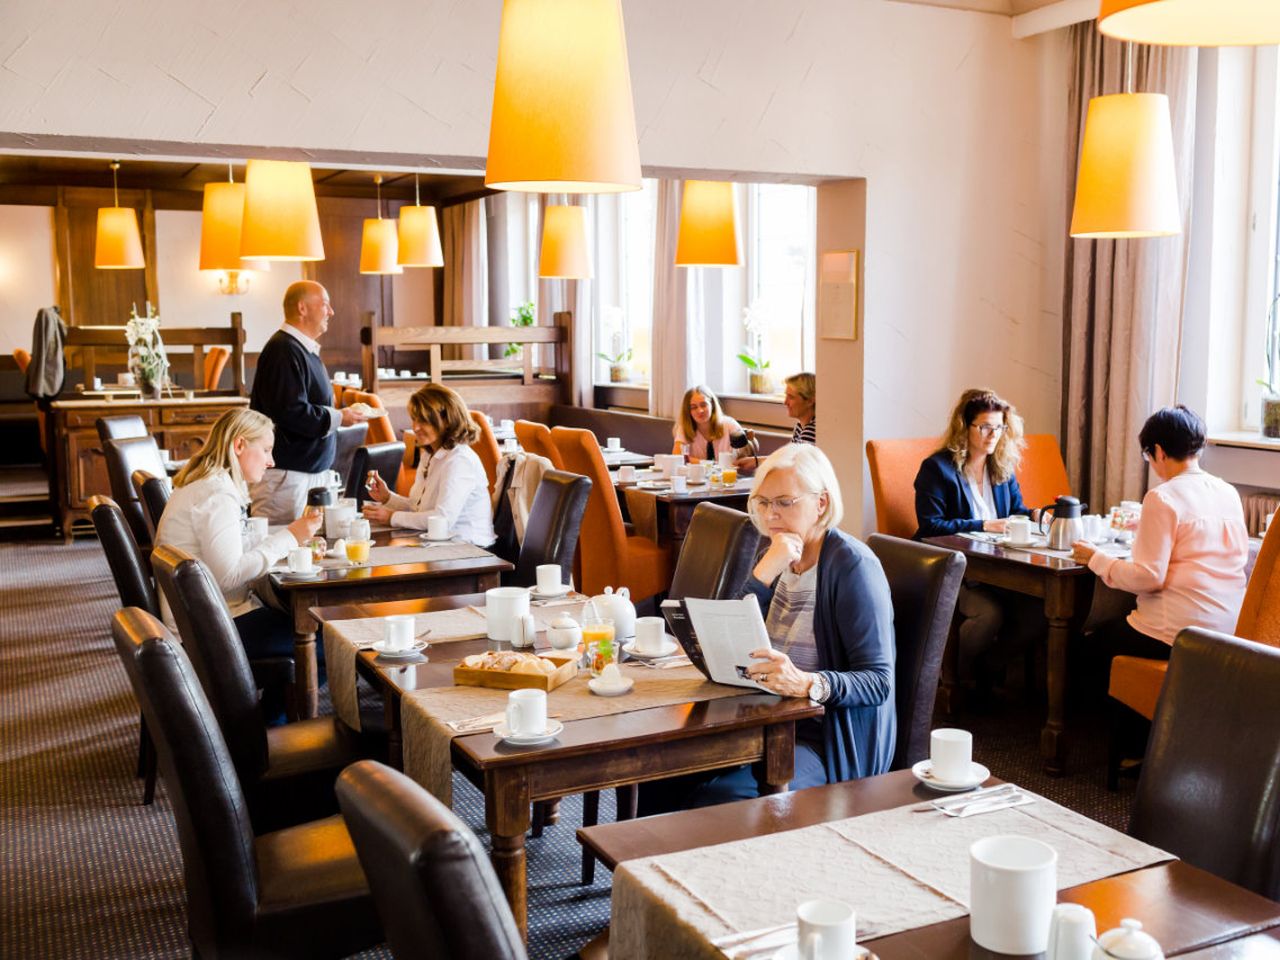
column 292, row 387
column 943, row 506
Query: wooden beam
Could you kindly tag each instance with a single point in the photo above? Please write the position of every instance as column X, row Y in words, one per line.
column 406, row 337
column 1053, row 16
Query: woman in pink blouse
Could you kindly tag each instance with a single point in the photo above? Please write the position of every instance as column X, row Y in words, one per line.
column 1190, row 550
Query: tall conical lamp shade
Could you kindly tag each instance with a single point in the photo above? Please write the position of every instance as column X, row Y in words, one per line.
column 564, row 255
column 281, row 221
column 379, row 246
column 220, row 221
column 118, row 245
column 419, row 238
column 708, row 226
column 563, row 120
column 1192, row 23
column 1126, row 185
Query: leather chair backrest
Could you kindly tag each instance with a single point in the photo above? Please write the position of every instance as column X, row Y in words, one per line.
column 350, row 439
column 153, row 494
column 383, row 457
column 555, row 519
column 536, row 438
column 431, row 879
column 486, row 448
column 120, row 428
column 209, row 808
column 1260, row 613
column 215, row 359
column 893, row 465
column 212, row 642
column 380, row 429
column 603, row 538
column 1209, row 792
column 123, row 458
column 128, row 566
column 717, row 555
column 924, row 582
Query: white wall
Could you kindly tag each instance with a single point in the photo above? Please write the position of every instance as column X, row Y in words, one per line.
column 27, row 281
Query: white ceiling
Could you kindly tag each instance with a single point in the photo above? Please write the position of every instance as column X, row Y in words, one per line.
column 1008, row 8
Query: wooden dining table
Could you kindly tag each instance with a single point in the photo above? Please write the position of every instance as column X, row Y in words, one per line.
column 1190, row 912
column 592, row 754
column 352, row 584
column 674, row 511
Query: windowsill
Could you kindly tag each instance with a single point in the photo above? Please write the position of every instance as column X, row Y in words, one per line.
column 1247, row 439
column 756, row 397
column 628, row 385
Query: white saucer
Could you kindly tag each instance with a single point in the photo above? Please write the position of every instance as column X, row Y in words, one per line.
column 503, row 732
column 1017, row 544
column 792, row 952
column 616, row 691
column 669, row 647
column 316, row 574
column 407, row 654
column 539, row 595
column 978, row 774
column 431, row 539
column 654, row 484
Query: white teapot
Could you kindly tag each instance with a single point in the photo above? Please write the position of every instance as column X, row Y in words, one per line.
column 1127, row 942
column 617, row 606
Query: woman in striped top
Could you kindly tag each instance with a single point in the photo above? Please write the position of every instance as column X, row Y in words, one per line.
column 801, row 398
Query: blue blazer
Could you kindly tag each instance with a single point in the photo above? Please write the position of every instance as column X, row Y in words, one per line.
column 853, row 630
column 943, row 505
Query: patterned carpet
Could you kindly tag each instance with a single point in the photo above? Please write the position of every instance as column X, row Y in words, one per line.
column 87, row 872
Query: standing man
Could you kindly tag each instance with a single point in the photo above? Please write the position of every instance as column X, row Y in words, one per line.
column 292, row 387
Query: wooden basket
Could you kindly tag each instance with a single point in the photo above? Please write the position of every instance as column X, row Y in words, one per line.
column 566, row 670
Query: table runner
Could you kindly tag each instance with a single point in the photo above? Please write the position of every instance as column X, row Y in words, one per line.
column 425, row 713
column 900, row 869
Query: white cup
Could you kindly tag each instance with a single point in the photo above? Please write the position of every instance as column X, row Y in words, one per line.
column 300, row 560
column 951, row 754
column 1092, row 526
column 697, row 472
column 506, row 426
column 1013, row 885
column 667, row 463
column 549, row 578
column 258, row 528
column 613, row 443
column 124, row 379
column 406, row 373
column 359, row 529
column 527, row 711
column 679, row 484
column 626, row 474
column 97, row 383
column 397, row 631
column 510, row 445
column 651, row 634
column 339, row 376
column 826, row 930
column 438, row 528
column 502, row 607
column 332, row 478
column 1072, row 933
column 1018, row 529
column 726, row 458
column 337, row 520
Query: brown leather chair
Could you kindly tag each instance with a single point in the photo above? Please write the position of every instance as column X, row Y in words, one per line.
column 124, row 427
column 434, row 887
column 298, row 892
column 1209, row 792
column 717, row 555
column 215, row 359
column 287, row 772
column 555, row 519
column 924, row 582
column 536, row 438
column 153, row 494
column 133, row 583
column 350, row 439
column 609, row 557
column 383, row 457
column 486, row 448
column 123, row 458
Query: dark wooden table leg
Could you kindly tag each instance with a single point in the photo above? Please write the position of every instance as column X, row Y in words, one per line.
column 307, row 682
column 507, row 817
column 395, row 744
column 1059, row 608
column 779, row 764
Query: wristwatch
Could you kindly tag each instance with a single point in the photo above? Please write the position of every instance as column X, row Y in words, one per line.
column 820, row 689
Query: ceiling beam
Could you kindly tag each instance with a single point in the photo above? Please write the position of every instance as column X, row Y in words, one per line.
column 1055, row 16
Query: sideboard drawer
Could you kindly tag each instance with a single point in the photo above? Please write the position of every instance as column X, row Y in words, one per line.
column 88, row 418
column 191, row 415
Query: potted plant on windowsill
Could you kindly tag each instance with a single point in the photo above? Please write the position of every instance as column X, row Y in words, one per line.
column 757, row 370
column 1271, row 385
column 523, row 317
column 619, row 365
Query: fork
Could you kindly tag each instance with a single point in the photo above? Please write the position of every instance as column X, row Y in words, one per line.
column 990, row 805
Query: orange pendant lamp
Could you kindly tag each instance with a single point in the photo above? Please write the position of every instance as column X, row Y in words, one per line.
column 281, row 221
column 563, row 120
column 221, row 218
column 419, row 234
column 565, row 254
column 379, row 246
column 708, row 225
column 118, row 243
column 1192, row 23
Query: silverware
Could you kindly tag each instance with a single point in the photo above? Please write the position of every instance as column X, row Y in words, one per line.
column 966, row 798
column 990, row 805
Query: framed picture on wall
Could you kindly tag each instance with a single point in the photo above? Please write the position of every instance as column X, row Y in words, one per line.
column 838, row 295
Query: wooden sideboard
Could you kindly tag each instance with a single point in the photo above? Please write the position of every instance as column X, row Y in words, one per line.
column 80, row 470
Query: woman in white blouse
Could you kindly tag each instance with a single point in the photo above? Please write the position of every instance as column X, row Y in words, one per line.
column 451, row 481
column 205, row 518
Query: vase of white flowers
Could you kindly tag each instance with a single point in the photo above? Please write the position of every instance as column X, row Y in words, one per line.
column 147, row 360
column 760, row 378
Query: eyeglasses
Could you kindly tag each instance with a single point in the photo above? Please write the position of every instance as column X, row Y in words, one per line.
column 991, row 429
column 765, row 504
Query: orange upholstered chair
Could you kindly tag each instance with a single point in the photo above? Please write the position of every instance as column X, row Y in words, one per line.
column 409, row 465
column 536, row 438
column 893, row 465
column 609, row 557
column 1042, row 474
column 214, row 362
column 22, row 358
column 379, row 427
column 486, row 449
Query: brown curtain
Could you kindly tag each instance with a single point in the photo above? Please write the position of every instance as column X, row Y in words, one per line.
column 465, row 274
column 1123, row 299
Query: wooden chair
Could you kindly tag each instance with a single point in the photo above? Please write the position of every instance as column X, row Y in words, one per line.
column 486, row 449
column 379, row 427
column 536, row 438
column 609, row 557
column 214, row 362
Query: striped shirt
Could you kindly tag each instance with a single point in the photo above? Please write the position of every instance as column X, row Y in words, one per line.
column 805, row 433
column 790, row 620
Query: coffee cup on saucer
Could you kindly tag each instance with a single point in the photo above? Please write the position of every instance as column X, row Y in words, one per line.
column 613, row 443
column 437, row 528
column 527, row 712
column 697, row 473
column 397, row 632
column 826, row 930
column 951, row 755
column 1018, row 529
column 679, row 484
column 549, row 579
column 651, row 635
column 626, row 474
column 301, row 561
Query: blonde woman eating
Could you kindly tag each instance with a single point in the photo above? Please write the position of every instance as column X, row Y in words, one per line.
column 704, row 430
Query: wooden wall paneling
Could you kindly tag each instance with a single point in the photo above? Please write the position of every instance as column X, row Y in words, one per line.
column 351, row 293
column 62, row 255
column 149, row 251
column 100, row 297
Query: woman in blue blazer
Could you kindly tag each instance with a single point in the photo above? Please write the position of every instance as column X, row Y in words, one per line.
column 970, row 485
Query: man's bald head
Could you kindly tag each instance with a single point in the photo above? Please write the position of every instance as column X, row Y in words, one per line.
column 306, row 306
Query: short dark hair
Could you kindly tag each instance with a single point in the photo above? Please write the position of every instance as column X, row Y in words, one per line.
column 1178, row 431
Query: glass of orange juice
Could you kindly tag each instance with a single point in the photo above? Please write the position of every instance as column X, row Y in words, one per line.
column 729, row 476
column 358, row 550
column 597, row 640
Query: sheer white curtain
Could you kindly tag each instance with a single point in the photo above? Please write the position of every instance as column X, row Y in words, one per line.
column 576, row 296
column 465, row 273
column 679, row 350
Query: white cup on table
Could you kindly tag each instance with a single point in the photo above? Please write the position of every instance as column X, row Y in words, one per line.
column 679, row 484
column 397, row 631
column 300, row 560
column 651, row 634
column 510, row 445
column 950, row 754
column 549, row 578
column 1093, row 527
column 826, row 930
column 504, row 606
column 359, row 529
column 696, row 472
column 437, row 527
column 1018, row 529
column 1013, row 886
column 626, row 474
column 613, row 443
column 726, row 458
column 97, row 383
column 506, row 426
column 527, row 712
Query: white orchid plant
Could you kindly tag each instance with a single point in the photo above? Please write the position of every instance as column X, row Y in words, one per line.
column 752, row 355
column 147, row 358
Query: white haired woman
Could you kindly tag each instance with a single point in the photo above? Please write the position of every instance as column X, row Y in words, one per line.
column 830, row 622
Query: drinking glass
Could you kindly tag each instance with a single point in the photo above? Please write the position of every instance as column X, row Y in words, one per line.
column 358, row 550
column 598, row 638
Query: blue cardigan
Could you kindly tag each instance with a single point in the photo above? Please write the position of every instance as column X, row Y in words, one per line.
column 853, row 629
column 943, row 505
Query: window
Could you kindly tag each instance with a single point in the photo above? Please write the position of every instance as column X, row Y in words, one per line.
column 625, row 228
